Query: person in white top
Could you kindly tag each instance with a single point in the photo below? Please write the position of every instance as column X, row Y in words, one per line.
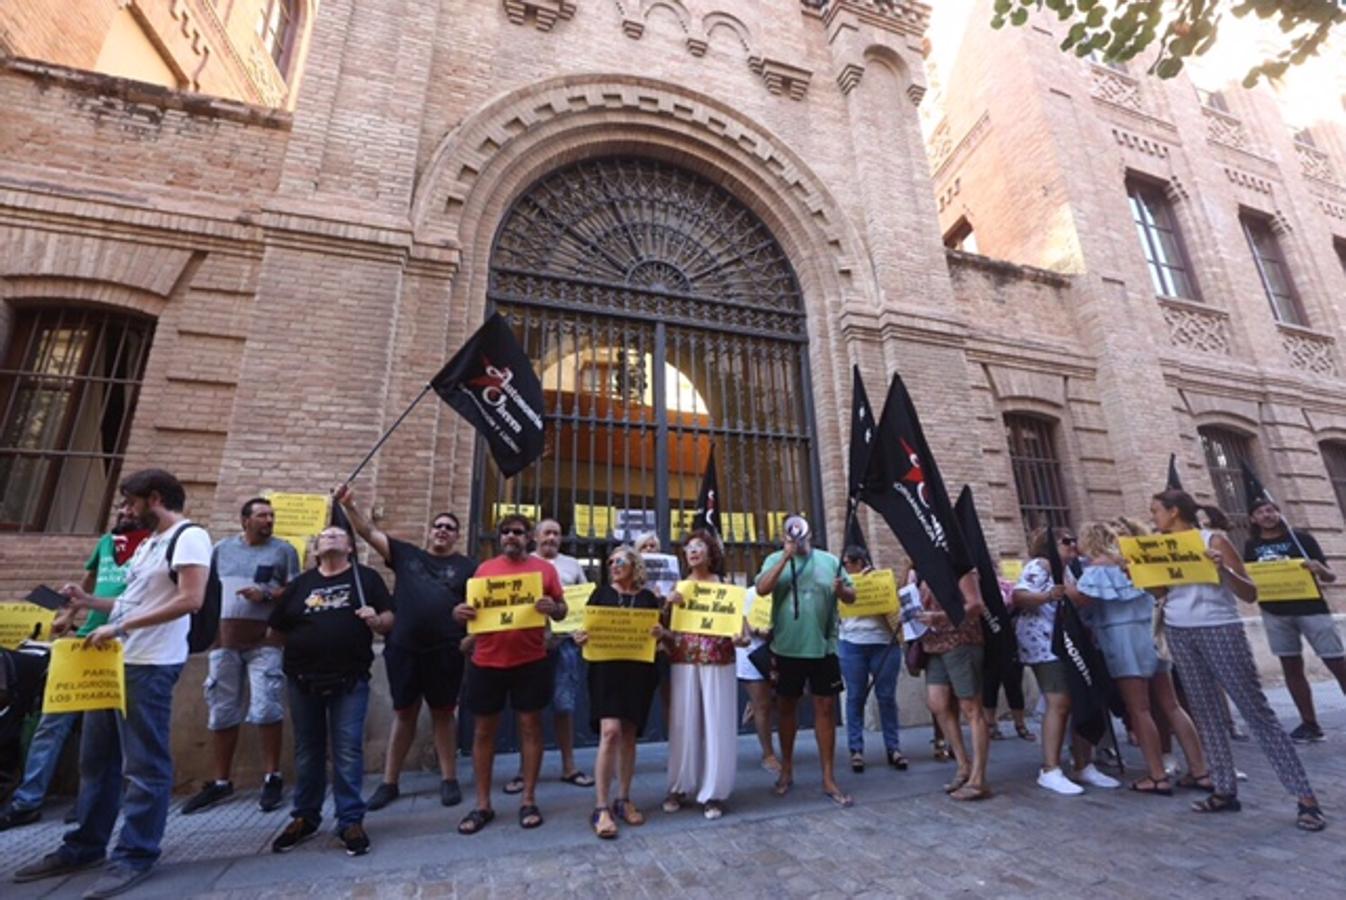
column 126, row 765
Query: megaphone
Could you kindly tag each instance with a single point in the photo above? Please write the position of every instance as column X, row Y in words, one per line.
column 797, row 528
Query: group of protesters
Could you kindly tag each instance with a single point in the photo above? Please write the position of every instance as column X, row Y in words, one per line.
column 303, row 639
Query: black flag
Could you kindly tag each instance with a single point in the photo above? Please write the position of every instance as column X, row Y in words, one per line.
column 1174, row 482
column 862, row 438
column 1253, row 491
column 903, row 484
column 492, row 384
column 1086, row 672
column 996, row 616
column 708, row 500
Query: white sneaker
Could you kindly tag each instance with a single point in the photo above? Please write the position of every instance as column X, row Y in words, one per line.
column 1090, row 775
column 1055, row 780
column 1240, row 776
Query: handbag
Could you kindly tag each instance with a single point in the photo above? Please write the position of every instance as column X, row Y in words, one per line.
column 917, row 658
column 761, row 658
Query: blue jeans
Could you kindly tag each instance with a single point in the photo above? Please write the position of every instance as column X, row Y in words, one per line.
column 126, row 765
column 858, row 663
column 342, row 717
column 43, row 754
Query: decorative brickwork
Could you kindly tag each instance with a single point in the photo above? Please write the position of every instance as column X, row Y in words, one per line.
column 1191, row 327
column 1310, row 352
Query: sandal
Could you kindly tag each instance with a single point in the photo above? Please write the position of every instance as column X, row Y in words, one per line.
column 713, row 810
column 857, row 762
column 897, row 760
column 475, row 821
column 1192, row 782
column 673, row 802
column 1159, row 786
column 603, row 824
column 996, row 733
column 514, row 785
column 942, row 752
column 839, row 798
column 578, row 779
column 1025, row 734
column 771, row 764
column 625, row 810
column 530, row 816
column 782, row 786
column 1310, row 818
column 971, row 792
column 1217, row 803
column 959, row 780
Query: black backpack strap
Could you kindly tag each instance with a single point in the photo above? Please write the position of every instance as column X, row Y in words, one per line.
column 173, row 545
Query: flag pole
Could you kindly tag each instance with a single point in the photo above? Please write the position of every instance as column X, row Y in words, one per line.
column 370, row 455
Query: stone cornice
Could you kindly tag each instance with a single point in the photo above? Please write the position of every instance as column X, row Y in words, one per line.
column 898, row 16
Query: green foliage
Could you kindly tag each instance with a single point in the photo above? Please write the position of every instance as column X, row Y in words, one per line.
column 1120, row 30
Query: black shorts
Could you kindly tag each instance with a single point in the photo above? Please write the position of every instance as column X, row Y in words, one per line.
column 823, row 676
column 435, row 675
column 527, row 688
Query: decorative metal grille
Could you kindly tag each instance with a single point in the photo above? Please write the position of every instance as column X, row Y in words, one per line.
column 68, row 390
column 1225, row 450
column 1037, row 472
column 663, row 320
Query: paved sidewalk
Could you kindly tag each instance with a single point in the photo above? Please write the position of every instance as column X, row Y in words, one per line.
column 903, row 837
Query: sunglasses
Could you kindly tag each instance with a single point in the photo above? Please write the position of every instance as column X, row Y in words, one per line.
column 619, row 563
column 444, row 526
column 515, row 532
column 1068, row 541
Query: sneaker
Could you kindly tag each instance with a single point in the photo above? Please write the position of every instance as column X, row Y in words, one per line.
column 116, row 879
column 450, row 794
column 1090, row 775
column 298, row 831
column 1308, row 734
column 1055, row 780
column 384, row 794
column 51, row 865
column 355, row 839
column 273, row 790
column 13, row 818
column 212, row 793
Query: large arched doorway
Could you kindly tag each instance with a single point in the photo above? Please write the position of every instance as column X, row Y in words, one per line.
column 664, row 320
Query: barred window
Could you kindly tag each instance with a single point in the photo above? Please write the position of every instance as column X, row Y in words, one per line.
column 68, row 390
column 1159, row 240
column 1334, row 457
column 1037, row 472
column 1272, row 269
column 1225, row 450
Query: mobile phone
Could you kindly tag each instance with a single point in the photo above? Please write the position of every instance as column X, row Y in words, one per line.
column 46, row 598
column 264, row 574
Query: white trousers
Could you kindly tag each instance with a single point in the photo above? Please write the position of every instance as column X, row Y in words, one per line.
column 703, row 731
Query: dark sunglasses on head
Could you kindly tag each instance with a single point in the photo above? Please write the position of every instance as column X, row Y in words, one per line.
column 516, row 532
column 444, row 526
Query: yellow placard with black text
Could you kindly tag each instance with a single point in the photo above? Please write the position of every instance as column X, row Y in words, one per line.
column 759, row 612
column 21, row 622
column 875, row 595
column 1162, row 560
column 709, row 608
column 1279, row 580
column 577, row 596
column 505, row 603
column 81, row 678
column 298, row 518
column 1012, row 569
column 614, row 633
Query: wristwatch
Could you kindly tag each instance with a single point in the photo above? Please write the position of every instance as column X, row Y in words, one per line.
column 121, row 633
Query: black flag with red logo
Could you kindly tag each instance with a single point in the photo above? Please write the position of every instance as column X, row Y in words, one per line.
column 903, row 484
column 708, row 500
column 491, row 383
column 999, row 633
column 862, row 438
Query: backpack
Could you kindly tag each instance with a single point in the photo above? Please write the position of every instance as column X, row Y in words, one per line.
column 206, row 620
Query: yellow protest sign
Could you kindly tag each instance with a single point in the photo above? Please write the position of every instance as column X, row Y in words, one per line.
column 20, row 622
column 759, row 612
column 1161, row 560
column 875, row 595
column 1278, row 580
column 594, row 521
column 577, row 596
column 735, row 527
column 709, row 608
column 81, row 678
column 299, row 517
column 616, row 633
column 505, row 603
column 530, row 511
column 1012, row 569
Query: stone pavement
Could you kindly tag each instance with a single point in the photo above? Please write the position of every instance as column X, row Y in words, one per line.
column 903, row 837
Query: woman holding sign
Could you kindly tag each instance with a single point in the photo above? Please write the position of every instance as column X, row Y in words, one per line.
column 702, row 732
column 1205, row 633
column 864, row 647
column 620, row 694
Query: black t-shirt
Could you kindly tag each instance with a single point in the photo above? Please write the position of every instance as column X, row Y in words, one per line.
column 607, row 596
column 428, row 587
column 1259, row 549
column 323, row 635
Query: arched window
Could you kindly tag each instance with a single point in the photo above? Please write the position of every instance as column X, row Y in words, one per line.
column 1037, row 472
column 68, row 388
column 277, row 24
column 1225, row 451
column 1334, row 457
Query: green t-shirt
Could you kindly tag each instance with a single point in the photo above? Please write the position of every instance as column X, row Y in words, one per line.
column 109, row 580
column 813, row 633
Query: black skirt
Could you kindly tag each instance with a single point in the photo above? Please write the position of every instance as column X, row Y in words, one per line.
column 621, row 689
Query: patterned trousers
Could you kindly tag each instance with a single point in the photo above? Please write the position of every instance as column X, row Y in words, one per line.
column 1215, row 657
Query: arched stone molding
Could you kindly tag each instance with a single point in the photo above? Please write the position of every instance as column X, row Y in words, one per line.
column 62, row 291
column 480, row 167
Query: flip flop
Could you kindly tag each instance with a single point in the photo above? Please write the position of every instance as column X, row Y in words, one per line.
column 606, row 831
column 782, row 786
column 970, row 792
column 577, row 778
column 530, row 816
column 475, row 821
column 839, row 798
column 514, row 785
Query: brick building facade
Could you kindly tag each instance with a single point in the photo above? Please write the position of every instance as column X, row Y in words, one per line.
column 302, row 266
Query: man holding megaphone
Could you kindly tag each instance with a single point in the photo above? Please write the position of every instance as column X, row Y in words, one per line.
column 805, row 584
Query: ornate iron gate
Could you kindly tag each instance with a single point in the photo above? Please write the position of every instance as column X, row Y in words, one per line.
column 664, row 321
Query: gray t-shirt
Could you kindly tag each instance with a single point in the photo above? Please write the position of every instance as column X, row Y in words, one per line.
column 240, row 565
column 568, row 569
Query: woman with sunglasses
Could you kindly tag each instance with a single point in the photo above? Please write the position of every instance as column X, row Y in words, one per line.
column 620, row 694
column 1211, row 651
column 702, row 719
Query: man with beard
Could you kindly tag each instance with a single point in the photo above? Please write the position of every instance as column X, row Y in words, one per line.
column 104, row 580
column 421, row 654
column 252, row 569
column 125, row 762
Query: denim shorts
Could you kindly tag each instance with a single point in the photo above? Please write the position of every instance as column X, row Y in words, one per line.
column 566, row 672
column 1320, row 630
